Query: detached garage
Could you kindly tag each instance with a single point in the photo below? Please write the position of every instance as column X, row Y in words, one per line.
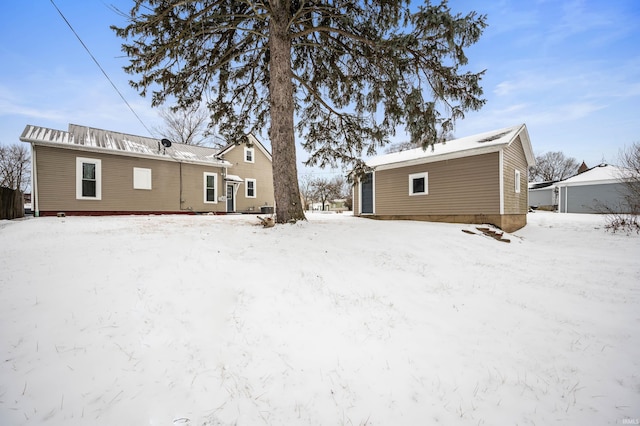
column 597, row 190
column 476, row 179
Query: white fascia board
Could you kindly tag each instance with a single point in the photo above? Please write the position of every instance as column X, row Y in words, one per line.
column 588, row 183
column 261, row 147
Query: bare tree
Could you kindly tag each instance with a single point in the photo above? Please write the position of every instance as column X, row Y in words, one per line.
column 328, row 189
column 306, row 190
column 15, row 167
column 553, row 166
column 188, row 126
column 629, row 159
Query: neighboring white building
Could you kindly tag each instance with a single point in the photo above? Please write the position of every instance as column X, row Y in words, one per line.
column 597, row 190
column 543, row 195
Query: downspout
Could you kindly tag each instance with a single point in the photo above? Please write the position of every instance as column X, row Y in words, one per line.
column 559, row 199
column 34, row 183
column 181, row 200
column 501, row 167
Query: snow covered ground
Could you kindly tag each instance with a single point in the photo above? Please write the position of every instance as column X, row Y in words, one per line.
column 212, row 320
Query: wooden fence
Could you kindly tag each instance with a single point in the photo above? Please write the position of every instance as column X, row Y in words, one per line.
column 11, row 203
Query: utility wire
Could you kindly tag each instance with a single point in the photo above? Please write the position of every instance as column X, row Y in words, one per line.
column 100, row 66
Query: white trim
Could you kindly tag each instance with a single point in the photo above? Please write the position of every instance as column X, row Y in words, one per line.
column 252, row 150
column 260, row 146
column 246, row 188
column 422, row 175
column 35, row 205
column 142, row 178
column 516, row 183
column 589, row 182
column 252, row 139
column 501, row 168
column 215, row 188
column 79, row 169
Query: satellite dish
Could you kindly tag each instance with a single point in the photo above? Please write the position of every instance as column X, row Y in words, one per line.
column 166, row 143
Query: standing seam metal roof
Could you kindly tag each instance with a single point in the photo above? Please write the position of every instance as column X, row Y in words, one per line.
column 98, row 140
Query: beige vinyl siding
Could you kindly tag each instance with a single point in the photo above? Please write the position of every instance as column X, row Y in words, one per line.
column 515, row 159
column 56, row 171
column 193, row 189
column 260, row 170
column 356, row 198
column 460, row 186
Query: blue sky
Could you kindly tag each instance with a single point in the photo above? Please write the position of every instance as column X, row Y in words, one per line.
column 570, row 70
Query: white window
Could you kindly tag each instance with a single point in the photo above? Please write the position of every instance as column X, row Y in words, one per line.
column 250, row 188
column 517, row 182
column 141, row 178
column 88, row 179
column 210, row 187
column 249, row 155
column 419, row 183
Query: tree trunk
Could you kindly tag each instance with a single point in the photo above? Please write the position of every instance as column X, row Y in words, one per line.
column 281, row 132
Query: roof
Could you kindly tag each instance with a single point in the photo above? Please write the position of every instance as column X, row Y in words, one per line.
column 251, row 140
column 233, row 178
column 482, row 143
column 541, row 185
column 85, row 138
column 598, row 175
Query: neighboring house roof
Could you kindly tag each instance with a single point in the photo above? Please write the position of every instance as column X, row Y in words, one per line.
column 541, row 185
column 85, row 138
column 583, row 168
column 600, row 174
column 251, row 140
column 482, row 143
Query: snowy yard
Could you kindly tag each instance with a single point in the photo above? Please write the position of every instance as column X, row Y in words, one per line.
column 211, row 320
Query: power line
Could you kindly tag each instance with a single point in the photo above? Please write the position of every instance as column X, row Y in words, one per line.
column 100, row 66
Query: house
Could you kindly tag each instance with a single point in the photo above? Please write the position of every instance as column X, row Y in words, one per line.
column 596, row 190
column 250, row 162
column 476, row 179
column 88, row 171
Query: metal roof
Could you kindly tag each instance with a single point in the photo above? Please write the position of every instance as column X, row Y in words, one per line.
column 86, row 138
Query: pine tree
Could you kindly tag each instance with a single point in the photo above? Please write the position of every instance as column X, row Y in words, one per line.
column 343, row 75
